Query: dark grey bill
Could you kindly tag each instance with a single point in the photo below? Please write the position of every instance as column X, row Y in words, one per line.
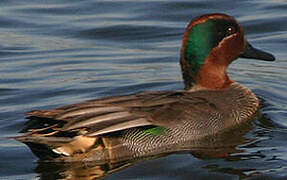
column 252, row 53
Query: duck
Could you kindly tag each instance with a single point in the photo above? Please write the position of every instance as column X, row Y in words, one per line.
column 149, row 123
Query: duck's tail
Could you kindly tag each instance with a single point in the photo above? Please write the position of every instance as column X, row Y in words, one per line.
column 47, row 142
column 48, row 148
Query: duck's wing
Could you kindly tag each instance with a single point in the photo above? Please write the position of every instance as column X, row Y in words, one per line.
column 101, row 116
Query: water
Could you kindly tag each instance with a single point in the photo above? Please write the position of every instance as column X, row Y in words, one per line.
column 56, row 53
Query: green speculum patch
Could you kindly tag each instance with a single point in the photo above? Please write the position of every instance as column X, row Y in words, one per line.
column 199, row 44
column 155, row 131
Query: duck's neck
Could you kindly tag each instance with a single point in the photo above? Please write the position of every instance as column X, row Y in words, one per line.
column 211, row 76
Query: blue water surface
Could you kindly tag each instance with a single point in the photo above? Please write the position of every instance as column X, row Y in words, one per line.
column 55, row 53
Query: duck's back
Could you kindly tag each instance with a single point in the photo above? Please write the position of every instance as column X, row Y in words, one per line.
column 136, row 125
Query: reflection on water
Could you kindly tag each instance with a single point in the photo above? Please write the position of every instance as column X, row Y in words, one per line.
column 81, row 171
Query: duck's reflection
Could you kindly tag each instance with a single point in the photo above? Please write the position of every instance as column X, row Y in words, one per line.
column 224, row 145
column 78, row 170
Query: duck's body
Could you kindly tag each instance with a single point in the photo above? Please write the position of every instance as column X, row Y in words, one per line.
column 144, row 124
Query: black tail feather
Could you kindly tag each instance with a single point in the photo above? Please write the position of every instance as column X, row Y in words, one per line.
column 40, row 123
column 42, row 151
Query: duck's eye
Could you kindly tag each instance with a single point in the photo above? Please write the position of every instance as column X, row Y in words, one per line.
column 230, row 30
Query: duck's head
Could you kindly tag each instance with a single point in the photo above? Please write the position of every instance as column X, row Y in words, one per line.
column 211, row 42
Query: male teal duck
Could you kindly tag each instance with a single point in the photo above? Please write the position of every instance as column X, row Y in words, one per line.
column 145, row 124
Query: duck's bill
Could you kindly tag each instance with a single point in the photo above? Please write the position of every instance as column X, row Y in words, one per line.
column 252, row 53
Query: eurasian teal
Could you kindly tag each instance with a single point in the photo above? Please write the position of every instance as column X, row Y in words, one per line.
column 145, row 124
